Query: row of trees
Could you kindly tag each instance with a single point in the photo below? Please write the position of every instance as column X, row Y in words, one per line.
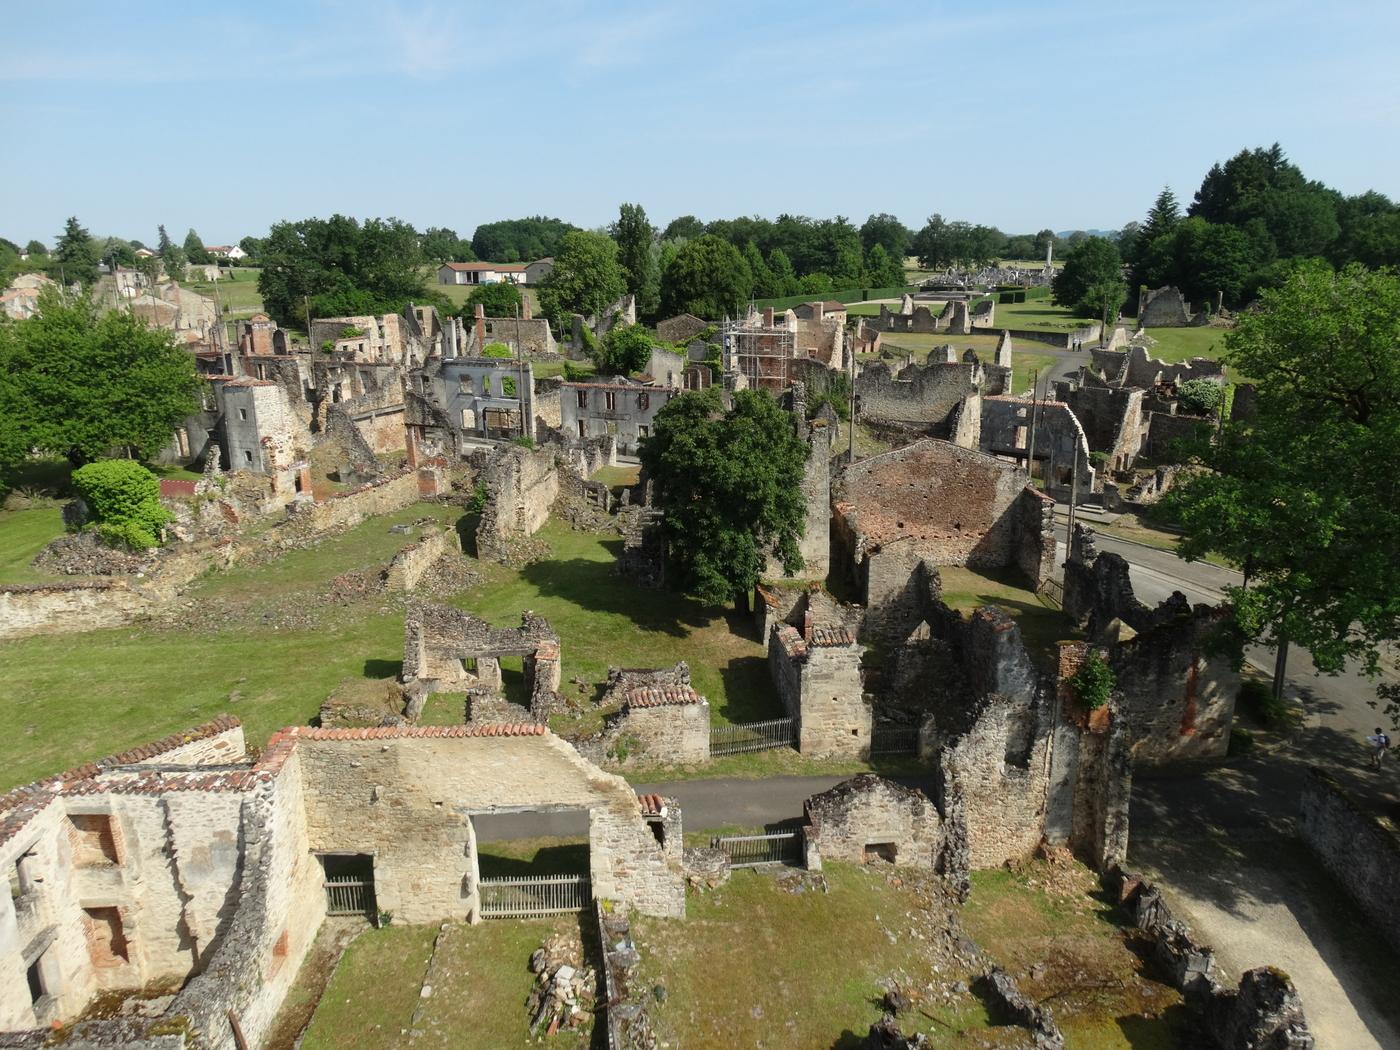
column 1250, row 221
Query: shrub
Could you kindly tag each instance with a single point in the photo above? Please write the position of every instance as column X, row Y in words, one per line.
column 523, row 442
column 508, row 386
column 476, row 502
column 497, row 350
column 350, row 332
column 1200, row 397
column 1098, row 459
column 1093, row 683
column 123, row 499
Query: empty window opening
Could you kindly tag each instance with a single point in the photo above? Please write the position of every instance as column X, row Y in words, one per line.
column 247, row 455
column 582, row 396
column 583, row 428
column 658, row 831
column 94, row 842
column 880, row 851
column 611, row 401
column 34, row 974
column 242, row 413
column 106, row 940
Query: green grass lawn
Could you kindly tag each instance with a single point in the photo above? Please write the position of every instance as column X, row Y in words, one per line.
column 251, row 650
column 238, row 291
column 372, row 995
column 480, row 981
column 550, row 369
column 23, row 534
column 1182, row 344
column 1039, row 315
column 1052, row 916
column 752, row 965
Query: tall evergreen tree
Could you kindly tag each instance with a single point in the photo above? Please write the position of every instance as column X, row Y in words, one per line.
column 635, row 236
column 76, row 255
column 170, row 254
column 195, row 250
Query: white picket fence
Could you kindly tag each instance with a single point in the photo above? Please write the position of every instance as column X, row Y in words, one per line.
column 527, row 896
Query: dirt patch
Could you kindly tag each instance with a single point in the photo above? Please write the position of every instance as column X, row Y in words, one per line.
column 310, row 985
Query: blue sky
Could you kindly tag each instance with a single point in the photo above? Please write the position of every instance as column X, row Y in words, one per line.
column 455, row 112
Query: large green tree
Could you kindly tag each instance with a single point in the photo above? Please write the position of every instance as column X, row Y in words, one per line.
column 195, row 251
column 81, row 383
column 441, row 245
column 1305, row 493
column 75, row 257
column 889, row 233
column 172, row 256
column 1091, row 280
column 708, row 278
column 637, row 253
column 501, row 299
column 728, row 484
column 625, row 350
column 342, row 266
column 883, row 270
column 586, row 278
column 520, row 240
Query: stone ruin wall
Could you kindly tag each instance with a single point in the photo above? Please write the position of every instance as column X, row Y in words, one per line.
column 1164, row 308
column 521, row 487
column 1361, row 851
column 822, row 689
column 871, row 811
column 407, row 796
column 922, row 394
column 412, row 563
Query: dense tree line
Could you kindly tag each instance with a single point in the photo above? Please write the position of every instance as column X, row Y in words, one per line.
column 1252, row 219
column 519, row 240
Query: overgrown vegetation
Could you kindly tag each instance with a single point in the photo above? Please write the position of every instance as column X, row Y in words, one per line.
column 1093, row 683
column 123, row 499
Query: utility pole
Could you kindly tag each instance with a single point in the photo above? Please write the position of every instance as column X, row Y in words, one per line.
column 520, row 369
column 1035, row 408
column 307, row 300
column 1073, row 489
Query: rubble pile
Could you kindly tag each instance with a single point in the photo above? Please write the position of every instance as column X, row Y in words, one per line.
column 565, row 990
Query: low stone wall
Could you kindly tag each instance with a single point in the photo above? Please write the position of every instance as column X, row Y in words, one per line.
column 1361, row 851
column 59, row 608
column 413, row 561
column 1263, row 1011
column 1063, row 340
column 1002, row 989
column 345, row 510
column 868, row 818
column 624, row 1007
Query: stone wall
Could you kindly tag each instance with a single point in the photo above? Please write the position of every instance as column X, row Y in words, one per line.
column 407, row 796
column 937, row 503
column 1361, row 851
column 1060, row 445
column 58, row 608
column 920, row 394
column 1164, row 308
column 345, row 510
column 1174, row 665
column 1141, row 369
column 1165, row 430
column 818, row 677
column 868, row 818
column 521, row 486
column 1111, row 417
column 411, row 563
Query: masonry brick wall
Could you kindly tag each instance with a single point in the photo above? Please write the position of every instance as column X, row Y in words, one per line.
column 819, row 682
column 521, row 487
column 663, row 734
column 1360, row 850
column 925, row 394
column 409, row 799
column 413, row 561
column 867, row 811
column 346, row 510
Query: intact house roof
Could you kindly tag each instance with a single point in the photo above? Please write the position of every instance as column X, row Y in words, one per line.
column 482, row 267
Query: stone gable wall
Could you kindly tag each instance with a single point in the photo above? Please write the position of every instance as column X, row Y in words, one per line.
column 869, row 810
column 521, row 486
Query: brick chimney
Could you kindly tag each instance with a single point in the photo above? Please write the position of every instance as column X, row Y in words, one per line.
column 480, row 321
column 807, row 626
column 767, row 317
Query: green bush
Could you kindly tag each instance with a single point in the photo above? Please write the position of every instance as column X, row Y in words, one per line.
column 123, row 500
column 1098, row 459
column 508, row 386
column 476, row 502
column 1200, row 397
column 497, row 350
column 1094, row 681
column 523, row 442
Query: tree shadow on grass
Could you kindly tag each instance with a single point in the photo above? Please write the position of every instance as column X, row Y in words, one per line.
column 749, row 695
column 568, row 859
column 593, row 586
column 375, row 668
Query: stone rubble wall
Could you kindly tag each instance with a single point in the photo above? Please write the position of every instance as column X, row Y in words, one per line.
column 521, row 487
column 1361, row 851
column 871, row 811
column 413, row 562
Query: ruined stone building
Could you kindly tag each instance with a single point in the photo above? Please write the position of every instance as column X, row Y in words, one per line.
column 654, row 717
column 455, row 402
column 869, row 817
column 1009, row 425
column 682, row 328
column 1166, row 307
column 956, row 317
column 933, row 503
column 816, row 669
column 1111, row 417
column 525, row 334
column 182, row 863
column 1175, row 665
column 935, row 399
column 521, row 485
column 622, row 408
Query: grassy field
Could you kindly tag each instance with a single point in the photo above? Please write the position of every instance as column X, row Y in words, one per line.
column 238, row 292
column 269, row 643
column 480, row 981
column 808, row 970
column 1047, row 925
column 23, row 534
column 1039, row 316
column 1182, row 344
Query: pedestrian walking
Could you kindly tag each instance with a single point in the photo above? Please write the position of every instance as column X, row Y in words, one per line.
column 1380, row 744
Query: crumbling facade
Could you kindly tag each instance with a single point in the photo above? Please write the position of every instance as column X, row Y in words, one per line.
column 521, row 484
column 933, row 503
column 183, row 863
column 927, row 398
column 869, row 818
column 1175, row 665
column 817, row 672
column 620, row 408
column 1009, row 426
